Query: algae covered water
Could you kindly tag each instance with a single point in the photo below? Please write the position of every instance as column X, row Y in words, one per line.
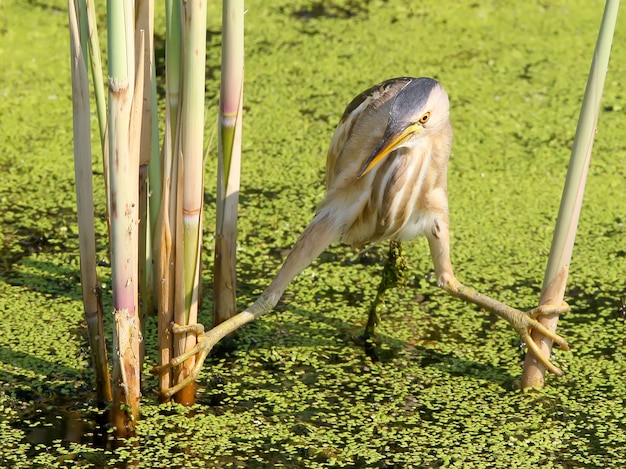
column 293, row 390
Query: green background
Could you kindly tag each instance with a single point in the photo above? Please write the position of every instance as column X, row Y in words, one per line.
column 293, row 390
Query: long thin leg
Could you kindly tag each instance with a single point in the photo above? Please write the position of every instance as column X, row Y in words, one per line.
column 313, row 241
column 522, row 322
column 392, row 275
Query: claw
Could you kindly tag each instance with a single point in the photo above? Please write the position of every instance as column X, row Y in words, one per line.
column 549, row 310
column 537, row 354
column 200, row 351
column 196, row 328
column 523, row 323
column 529, row 323
column 207, row 340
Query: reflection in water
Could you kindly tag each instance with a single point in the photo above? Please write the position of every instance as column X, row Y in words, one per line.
column 55, row 418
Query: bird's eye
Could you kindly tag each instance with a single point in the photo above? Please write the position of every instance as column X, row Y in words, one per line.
column 425, row 118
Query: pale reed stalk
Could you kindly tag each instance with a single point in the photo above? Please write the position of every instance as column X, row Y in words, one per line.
column 229, row 162
column 557, row 269
column 190, row 163
column 91, row 290
column 123, row 203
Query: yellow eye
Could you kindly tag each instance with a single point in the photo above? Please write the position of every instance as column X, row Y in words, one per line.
column 424, row 118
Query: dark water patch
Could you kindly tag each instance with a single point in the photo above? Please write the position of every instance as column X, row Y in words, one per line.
column 373, row 255
column 620, row 313
column 330, row 10
column 21, row 242
column 213, row 46
column 50, row 418
column 45, row 6
column 38, row 275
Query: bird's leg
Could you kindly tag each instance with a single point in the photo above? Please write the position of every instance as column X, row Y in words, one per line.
column 313, row 241
column 392, row 275
column 524, row 323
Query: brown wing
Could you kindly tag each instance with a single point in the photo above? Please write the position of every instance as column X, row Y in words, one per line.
column 358, row 119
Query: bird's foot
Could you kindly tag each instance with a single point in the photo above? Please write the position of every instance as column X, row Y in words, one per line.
column 523, row 323
column 206, row 341
column 526, row 323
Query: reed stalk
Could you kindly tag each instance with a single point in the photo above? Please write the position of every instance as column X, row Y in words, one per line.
column 555, row 279
column 154, row 204
column 123, row 143
column 144, row 43
column 88, row 17
column 190, row 163
column 229, row 162
column 165, row 236
column 91, row 290
column 99, row 93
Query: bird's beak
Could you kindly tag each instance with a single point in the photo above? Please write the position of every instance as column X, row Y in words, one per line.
column 392, row 139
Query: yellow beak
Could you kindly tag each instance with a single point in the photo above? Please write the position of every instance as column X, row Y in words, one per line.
column 391, row 141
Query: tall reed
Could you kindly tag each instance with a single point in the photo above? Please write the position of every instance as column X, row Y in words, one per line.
column 165, row 234
column 555, row 279
column 191, row 150
column 229, row 162
column 123, row 133
column 91, row 289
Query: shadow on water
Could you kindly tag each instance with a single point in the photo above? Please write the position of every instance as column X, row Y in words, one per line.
column 213, row 44
column 49, row 409
column 20, row 243
column 331, row 10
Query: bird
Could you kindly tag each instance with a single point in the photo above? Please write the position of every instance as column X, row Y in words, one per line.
column 386, row 179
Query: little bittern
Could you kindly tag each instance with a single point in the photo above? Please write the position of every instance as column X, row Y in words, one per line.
column 386, row 178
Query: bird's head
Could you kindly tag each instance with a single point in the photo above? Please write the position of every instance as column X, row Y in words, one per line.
column 420, row 110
